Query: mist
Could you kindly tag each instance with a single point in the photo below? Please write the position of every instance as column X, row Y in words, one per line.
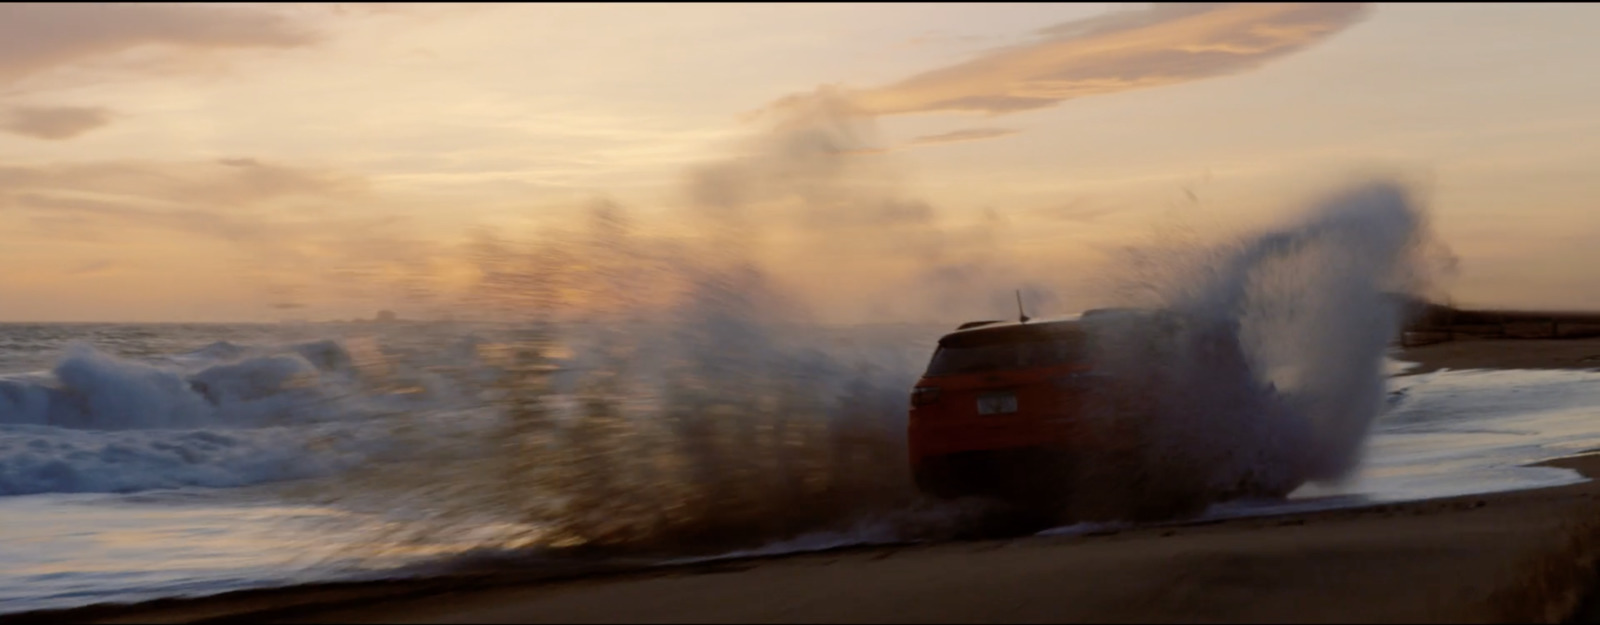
column 682, row 394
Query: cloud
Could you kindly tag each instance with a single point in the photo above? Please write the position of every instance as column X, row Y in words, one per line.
column 1166, row 44
column 92, row 268
column 933, row 39
column 969, row 134
column 53, row 122
column 1079, row 210
column 236, row 228
column 274, row 210
column 1169, row 43
column 286, row 227
column 38, row 36
column 840, row 230
column 230, row 184
column 955, row 136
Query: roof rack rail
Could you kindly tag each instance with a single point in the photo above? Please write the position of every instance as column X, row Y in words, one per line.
column 1110, row 310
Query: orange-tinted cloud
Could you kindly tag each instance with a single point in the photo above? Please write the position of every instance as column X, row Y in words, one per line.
column 1163, row 45
column 957, row 136
column 289, row 227
column 38, row 36
column 242, row 201
column 53, row 122
column 229, row 184
column 92, row 268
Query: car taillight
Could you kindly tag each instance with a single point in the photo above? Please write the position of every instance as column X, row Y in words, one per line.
column 924, row 395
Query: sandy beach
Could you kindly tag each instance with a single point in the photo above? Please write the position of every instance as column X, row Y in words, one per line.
column 1513, row 556
column 1505, row 354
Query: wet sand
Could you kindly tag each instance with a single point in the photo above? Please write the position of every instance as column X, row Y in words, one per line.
column 1505, row 354
column 1482, row 558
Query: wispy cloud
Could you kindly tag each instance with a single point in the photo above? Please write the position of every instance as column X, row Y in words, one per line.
column 39, row 36
column 291, row 227
column 944, row 39
column 958, row 136
column 804, row 169
column 1079, row 210
column 122, row 214
column 53, row 122
column 241, row 201
column 1163, row 45
column 92, row 268
column 955, row 136
column 228, row 184
column 36, row 38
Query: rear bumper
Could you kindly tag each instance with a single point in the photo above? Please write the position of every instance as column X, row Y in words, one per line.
column 928, row 438
column 1023, row 474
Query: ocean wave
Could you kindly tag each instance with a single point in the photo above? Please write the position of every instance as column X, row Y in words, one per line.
column 224, row 415
column 42, row 459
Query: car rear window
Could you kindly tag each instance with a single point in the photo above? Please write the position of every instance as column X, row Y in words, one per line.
column 1003, row 351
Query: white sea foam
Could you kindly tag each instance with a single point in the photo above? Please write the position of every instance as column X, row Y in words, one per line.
column 221, row 416
column 41, row 459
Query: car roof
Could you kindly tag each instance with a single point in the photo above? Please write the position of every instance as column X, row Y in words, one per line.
column 982, row 326
column 974, row 332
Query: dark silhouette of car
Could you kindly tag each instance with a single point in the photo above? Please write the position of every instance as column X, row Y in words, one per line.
column 995, row 413
column 1015, row 410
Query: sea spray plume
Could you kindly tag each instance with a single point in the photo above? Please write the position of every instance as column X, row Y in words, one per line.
column 746, row 436
column 1265, row 371
column 1324, row 346
column 675, row 395
column 706, row 422
column 814, row 199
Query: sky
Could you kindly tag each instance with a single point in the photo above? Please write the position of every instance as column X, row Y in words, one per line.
column 258, row 162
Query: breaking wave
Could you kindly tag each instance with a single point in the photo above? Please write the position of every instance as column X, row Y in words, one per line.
column 221, row 416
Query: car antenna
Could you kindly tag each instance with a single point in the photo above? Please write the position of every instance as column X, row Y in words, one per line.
column 1022, row 316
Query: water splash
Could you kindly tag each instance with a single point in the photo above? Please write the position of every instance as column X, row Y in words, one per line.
column 676, row 395
column 1269, row 369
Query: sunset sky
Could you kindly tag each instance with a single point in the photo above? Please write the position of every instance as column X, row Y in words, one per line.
column 258, row 162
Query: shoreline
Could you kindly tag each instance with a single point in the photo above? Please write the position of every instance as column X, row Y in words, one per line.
column 1503, row 353
column 417, row 599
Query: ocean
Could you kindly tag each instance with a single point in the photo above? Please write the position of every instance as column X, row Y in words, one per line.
column 150, row 460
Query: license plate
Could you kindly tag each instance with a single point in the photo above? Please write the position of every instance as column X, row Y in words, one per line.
column 997, row 403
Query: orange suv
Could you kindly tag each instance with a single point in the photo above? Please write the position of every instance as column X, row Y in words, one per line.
column 1001, row 410
column 1006, row 410
column 998, row 406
